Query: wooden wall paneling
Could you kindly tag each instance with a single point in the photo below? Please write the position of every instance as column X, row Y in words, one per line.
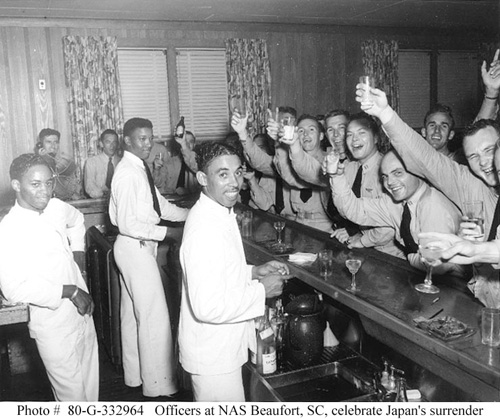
column 6, row 143
column 41, row 103
column 57, row 85
column 22, row 91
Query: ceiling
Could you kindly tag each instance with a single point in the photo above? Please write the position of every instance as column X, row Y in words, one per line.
column 438, row 14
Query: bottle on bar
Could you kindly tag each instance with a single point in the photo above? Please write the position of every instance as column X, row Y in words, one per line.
column 278, row 325
column 266, row 347
column 180, row 128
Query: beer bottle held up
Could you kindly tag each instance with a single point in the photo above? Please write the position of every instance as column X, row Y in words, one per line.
column 180, row 128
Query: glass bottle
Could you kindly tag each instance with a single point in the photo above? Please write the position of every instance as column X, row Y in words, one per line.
column 253, row 354
column 278, row 325
column 266, row 347
column 180, row 128
column 401, row 395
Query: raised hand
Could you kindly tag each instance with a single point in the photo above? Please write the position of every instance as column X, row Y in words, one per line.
column 239, row 123
column 491, row 76
column 375, row 104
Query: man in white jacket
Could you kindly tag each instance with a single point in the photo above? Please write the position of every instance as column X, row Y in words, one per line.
column 40, row 238
column 221, row 293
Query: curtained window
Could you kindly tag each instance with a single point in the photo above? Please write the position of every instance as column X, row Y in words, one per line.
column 249, row 77
column 93, row 86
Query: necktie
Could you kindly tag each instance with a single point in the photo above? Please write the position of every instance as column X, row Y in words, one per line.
column 404, row 231
column 495, row 223
column 156, row 204
column 356, row 186
column 305, row 194
column 181, row 181
column 279, row 201
column 109, row 173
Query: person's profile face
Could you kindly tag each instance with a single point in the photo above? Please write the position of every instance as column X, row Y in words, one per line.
column 140, row 142
column 50, row 144
column 109, row 144
column 222, row 180
column 190, row 141
column 34, row 189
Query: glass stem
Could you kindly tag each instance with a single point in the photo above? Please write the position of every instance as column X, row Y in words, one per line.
column 428, row 277
column 353, row 281
column 279, row 236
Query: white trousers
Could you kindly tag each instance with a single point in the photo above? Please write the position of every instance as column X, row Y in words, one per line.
column 218, row 388
column 71, row 358
column 147, row 346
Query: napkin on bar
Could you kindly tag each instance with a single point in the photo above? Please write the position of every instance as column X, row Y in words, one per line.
column 299, row 257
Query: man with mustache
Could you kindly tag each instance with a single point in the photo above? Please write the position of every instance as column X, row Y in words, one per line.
column 136, row 208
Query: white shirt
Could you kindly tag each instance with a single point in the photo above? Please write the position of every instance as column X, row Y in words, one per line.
column 131, row 204
column 36, row 260
column 219, row 297
column 96, row 171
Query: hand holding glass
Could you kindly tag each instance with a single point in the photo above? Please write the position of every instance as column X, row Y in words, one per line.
column 288, row 128
column 237, row 104
column 430, row 254
column 368, row 82
column 475, row 219
column 353, row 265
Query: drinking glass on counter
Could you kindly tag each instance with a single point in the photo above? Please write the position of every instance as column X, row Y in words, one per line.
column 279, row 226
column 325, row 258
column 475, row 213
column 490, row 326
column 353, row 265
column 430, row 254
column 247, row 224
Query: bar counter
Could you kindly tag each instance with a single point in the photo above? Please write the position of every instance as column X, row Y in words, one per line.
column 387, row 303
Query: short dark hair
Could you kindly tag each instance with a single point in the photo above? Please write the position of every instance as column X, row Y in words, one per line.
column 108, row 132
column 132, row 124
column 46, row 132
column 288, row 109
column 479, row 125
column 337, row 112
column 308, row 116
column 438, row 107
column 209, row 150
column 20, row 165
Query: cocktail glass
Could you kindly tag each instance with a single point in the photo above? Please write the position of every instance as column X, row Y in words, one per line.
column 279, row 226
column 353, row 265
column 430, row 253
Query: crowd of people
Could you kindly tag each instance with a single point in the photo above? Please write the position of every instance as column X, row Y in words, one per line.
column 367, row 178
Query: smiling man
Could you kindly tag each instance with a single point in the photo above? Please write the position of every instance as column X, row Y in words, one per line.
column 477, row 182
column 426, row 208
column 136, row 208
column 41, row 240
column 222, row 294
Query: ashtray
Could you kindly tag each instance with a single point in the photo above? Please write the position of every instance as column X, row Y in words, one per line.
column 446, row 328
column 281, row 248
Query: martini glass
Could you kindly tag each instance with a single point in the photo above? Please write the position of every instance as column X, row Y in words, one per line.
column 353, row 265
column 430, row 254
column 279, row 226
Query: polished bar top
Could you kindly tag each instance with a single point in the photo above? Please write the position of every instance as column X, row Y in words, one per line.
column 387, row 295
